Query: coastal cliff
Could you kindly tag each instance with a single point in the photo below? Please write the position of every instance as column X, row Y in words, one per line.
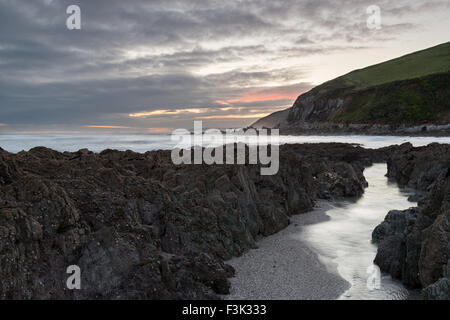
column 140, row 227
column 412, row 102
column 403, row 96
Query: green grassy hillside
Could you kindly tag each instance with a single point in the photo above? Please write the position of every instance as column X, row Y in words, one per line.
column 413, row 101
column 410, row 89
column 414, row 65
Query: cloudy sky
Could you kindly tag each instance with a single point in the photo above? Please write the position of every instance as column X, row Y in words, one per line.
column 145, row 66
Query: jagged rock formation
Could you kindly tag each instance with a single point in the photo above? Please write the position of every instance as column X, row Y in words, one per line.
column 140, row 227
column 414, row 244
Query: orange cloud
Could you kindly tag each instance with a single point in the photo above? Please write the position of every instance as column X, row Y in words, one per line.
column 270, row 94
column 162, row 112
column 159, row 130
column 255, row 97
column 3, row 124
column 236, row 116
column 107, row 127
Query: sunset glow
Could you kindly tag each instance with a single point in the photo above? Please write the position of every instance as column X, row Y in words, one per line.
column 159, row 130
column 236, row 116
column 107, row 127
column 257, row 97
column 147, row 114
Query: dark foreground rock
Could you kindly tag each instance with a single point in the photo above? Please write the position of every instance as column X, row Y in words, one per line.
column 140, row 227
column 414, row 244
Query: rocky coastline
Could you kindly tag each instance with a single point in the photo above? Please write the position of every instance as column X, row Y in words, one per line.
column 414, row 244
column 279, row 121
column 140, row 227
column 327, row 128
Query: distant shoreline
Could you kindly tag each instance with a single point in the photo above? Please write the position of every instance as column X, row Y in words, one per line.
column 327, row 128
column 353, row 133
column 367, row 129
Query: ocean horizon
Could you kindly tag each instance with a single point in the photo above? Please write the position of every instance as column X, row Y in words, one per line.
column 15, row 143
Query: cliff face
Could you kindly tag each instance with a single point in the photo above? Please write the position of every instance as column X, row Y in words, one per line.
column 140, row 227
column 274, row 120
column 414, row 244
column 310, row 108
column 399, row 96
column 411, row 102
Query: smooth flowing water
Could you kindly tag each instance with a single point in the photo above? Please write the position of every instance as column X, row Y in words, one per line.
column 345, row 239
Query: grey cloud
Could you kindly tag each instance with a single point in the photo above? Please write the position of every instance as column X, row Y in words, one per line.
column 50, row 75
